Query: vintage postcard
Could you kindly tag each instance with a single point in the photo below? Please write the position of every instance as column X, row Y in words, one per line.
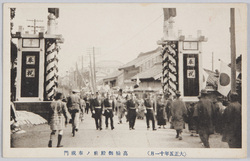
column 120, row 80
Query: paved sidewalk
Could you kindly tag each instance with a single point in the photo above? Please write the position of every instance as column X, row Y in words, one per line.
column 121, row 136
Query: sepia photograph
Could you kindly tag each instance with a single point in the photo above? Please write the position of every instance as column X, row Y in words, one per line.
column 125, row 80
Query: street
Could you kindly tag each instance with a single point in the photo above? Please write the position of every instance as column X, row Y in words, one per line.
column 121, row 136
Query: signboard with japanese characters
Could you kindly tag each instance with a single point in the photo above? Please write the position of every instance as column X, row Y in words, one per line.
column 30, row 73
column 30, row 60
column 190, row 73
column 191, row 62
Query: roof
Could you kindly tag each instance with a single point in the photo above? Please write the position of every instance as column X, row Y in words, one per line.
column 113, row 75
column 155, row 72
column 141, row 58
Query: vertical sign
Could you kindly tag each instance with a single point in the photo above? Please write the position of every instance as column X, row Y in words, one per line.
column 191, row 74
column 30, row 74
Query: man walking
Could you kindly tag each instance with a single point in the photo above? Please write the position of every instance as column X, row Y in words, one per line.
column 108, row 105
column 74, row 105
column 233, row 126
column 150, row 111
column 178, row 111
column 132, row 107
column 205, row 109
column 97, row 110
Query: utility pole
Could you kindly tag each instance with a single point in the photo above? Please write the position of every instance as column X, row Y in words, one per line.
column 94, row 68
column 233, row 51
column 35, row 26
column 82, row 63
column 212, row 61
column 91, row 73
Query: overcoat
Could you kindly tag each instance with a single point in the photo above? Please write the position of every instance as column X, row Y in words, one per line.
column 206, row 116
column 233, row 127
column 178, row 111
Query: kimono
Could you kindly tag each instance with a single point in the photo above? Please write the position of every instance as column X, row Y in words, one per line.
column 121, row 107
column 161, row 112
column 141, row 108
column 58, row 114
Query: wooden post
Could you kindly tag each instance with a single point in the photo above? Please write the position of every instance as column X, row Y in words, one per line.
column 233, row 51
column 94, row 76
column 91, row 73
column 212, row 61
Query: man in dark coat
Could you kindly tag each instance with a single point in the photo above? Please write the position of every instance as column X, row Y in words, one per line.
column 97, row 110
column 178, row 111
column 205, row 109
column 108, row 106
column 131, row 108
column 192, row 119
column 219, row 110
column 233, row 126
column 150, row 111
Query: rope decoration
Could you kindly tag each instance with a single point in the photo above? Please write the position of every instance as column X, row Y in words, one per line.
column 51, row 69
column 170, row 67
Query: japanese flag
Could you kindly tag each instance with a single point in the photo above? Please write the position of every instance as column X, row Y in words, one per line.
column 204, row 79
column 224, row 84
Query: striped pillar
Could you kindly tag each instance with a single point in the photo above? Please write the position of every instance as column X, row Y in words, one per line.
column 56, row 67
column 170, row 67
column 50, row 68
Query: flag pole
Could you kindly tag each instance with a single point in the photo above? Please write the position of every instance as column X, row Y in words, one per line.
column 233, row 51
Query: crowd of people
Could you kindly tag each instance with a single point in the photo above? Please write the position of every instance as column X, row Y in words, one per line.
column 204, row 117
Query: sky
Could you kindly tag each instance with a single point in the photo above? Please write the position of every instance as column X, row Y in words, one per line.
column 122, row 31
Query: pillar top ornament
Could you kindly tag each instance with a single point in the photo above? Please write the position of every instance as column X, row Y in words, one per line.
column 51, row 16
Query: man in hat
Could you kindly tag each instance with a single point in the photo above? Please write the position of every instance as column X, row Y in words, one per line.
column 149, row 111
column 74, row 106
column 108, row 105
column 205, row 108
column 178, row 111
column 132, row 107
column 97, row 110
column 233, row 126
column 219, row 110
